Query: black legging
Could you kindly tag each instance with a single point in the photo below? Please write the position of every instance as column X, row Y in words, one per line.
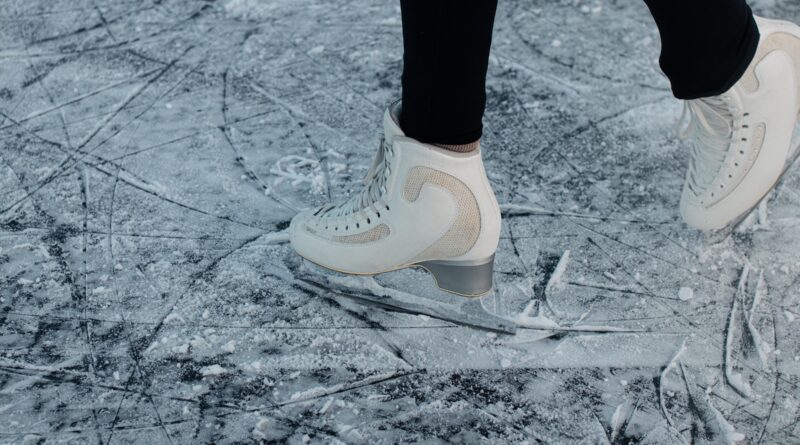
column 706, row 45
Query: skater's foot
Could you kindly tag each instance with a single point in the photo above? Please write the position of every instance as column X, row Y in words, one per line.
column 741, row 139
column 422, row 205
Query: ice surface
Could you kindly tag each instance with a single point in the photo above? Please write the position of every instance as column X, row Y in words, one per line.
column 152, row 154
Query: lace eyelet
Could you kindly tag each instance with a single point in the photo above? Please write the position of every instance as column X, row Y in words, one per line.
column 368, row 221
column 387, row 207
column 379, row 214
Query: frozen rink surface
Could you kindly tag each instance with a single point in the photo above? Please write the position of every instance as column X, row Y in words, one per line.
column 153, row 152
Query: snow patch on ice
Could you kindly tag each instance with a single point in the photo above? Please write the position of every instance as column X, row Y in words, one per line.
column 213, row 370
column 685, row 293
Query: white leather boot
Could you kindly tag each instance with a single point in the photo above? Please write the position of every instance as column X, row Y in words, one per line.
column 741, row 139
column 421, row 206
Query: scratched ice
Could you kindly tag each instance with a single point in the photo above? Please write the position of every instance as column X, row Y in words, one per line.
column 151, row 156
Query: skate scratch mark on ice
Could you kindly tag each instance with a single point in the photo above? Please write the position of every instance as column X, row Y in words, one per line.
column 759, row 294
column 206, row 129
column 314, row 289
column 151, row 147
column 59, row 106
column 318, row 393
column 252, row 327
column 164, row 236
column 89, row 28
column 33, row 378
column 300, row 119
column 16, row 53
column 682, row 318
column 736, row 380
column 621, row 267
column 83, row 324
column 65, row 164
column 104, row 21
column 150, row 105
column 152, row 190
column 513, row 242
column 50, row 98
column 512, row 210
column 622, row 418
column 79, row 379
column 571, row 66
column 132, row 351
column 708, row 424
column 294, row 112
column 694, row 255
column 134, row 182
column 555, row 281
column 645, row 252
column 83, row 186
column 240, row 159
column 341, row 79
column 4, row 115
column 558, row 83
column 620, row 289
column 662, row 380
column 773, row 397
column 536, row 210
column 594, row 185
column 131, row 97
column 148, row 340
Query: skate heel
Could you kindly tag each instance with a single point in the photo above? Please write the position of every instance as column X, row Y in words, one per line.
column 467, row 278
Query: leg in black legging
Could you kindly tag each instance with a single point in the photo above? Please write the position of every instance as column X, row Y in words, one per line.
column 706, row 45
column 446, row 44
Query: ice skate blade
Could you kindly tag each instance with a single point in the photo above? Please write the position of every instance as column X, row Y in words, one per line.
column 448, row 307
column 466, row 278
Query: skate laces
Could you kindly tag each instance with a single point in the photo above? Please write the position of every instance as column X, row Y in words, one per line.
column 712, row 123
column 374, row 185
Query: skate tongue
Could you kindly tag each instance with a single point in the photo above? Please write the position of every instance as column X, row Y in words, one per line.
column 711, row 126
column 376, row 162
column 374, row 185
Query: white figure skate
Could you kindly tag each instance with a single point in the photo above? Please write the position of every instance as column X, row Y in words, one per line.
column 741, row 139
column 421, row 206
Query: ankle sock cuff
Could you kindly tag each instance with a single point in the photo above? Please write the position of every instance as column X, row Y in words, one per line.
column 460, row 148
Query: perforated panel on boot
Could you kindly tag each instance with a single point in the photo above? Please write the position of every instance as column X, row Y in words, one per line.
column 463, row 234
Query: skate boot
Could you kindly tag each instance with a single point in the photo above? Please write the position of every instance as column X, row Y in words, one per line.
column 741, row 139
column 421, row 206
